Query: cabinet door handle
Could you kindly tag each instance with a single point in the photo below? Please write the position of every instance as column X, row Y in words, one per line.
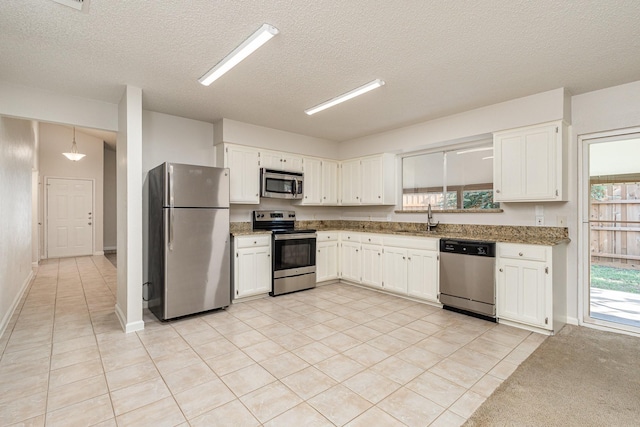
column 409, row 258
column 497, row 191
column 403, row 258
column 500, row 270
column 520, row 254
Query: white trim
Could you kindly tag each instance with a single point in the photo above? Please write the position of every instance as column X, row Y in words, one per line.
column 45, row 219
column 14, row 304
column 573, row 321
column 98, row 253
column 109, row 248
column 584, row 253
column 128, row 327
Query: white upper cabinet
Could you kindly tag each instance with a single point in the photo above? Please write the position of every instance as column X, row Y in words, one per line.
column 378, row 180
column 530, row 163
column 351, row 177
column 369, row 180
column 312, row 186
column 330, row 181
column 320, row 182
column 244, row 171
column 280, row 161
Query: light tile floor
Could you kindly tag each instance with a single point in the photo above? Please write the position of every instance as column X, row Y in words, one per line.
column 334, row 355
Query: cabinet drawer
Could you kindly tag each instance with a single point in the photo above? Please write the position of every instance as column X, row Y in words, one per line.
column 251, row 241
column 327, row 236
column 528, row 252
column 351, row 237
column 426, row 243
column 372, row 239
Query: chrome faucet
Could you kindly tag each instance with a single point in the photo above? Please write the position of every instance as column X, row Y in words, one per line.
column 430, row 224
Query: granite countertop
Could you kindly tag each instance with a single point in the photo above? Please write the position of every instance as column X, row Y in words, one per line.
column 547, row 236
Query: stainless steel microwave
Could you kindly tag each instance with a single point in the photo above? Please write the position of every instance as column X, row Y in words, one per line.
column 280, row 184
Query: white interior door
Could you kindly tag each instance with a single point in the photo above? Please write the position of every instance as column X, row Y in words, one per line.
column 69, row 217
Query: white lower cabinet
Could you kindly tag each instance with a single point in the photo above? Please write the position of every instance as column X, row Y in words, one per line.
column 350, row 258
column 372, row 265
column 423, row 274
column 252, row 265
column 395, row 269
column 531, row 285
column 327, row 256
column 411, row 267
column 402, row 265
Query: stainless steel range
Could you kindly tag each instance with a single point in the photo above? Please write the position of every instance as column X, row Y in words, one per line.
column 293, row 251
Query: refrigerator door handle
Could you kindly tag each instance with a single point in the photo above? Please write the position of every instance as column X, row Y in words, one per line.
column 171, row 208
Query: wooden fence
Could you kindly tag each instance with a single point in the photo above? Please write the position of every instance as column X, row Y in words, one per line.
column 615, row 225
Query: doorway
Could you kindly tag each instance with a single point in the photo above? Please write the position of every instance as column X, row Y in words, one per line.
column 611, row 230
column 69, row 217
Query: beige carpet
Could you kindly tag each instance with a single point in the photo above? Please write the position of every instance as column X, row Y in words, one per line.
column 580, row 377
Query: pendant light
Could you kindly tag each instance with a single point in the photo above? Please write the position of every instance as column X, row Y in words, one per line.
column 74, row 155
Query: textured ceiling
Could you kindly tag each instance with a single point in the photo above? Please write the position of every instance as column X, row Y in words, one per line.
column 437, row 57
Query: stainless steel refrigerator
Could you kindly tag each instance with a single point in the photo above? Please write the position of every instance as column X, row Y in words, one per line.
column 189, row 242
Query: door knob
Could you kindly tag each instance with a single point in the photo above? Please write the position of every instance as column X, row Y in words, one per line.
column 89, row 223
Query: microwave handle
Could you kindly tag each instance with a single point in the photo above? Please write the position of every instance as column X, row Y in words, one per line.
column 294, row 188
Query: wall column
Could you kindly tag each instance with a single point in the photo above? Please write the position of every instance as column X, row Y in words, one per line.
column 129, row 176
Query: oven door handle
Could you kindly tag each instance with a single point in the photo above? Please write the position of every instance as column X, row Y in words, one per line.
column 294, row 236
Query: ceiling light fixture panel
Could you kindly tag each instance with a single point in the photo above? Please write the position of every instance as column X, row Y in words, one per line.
column 474, row 150
column 81, row 5
column 346, row 96
column 250, row 45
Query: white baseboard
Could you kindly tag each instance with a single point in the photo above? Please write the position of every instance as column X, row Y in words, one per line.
column 110, row 248
column 128, row 327
column 573, row 321
column 7, row 317
column 97, row 253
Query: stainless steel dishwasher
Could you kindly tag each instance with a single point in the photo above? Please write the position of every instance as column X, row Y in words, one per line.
column 467, row 276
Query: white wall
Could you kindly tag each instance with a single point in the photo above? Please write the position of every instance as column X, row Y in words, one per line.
column 470, row 125
column 56, row 139
column 39, row 104
column 258, row 136
column 168, row 138
column 17, row 152
column 614, row 108
column 110, row 228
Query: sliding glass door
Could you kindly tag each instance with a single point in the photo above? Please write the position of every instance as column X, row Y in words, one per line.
column 611, row 230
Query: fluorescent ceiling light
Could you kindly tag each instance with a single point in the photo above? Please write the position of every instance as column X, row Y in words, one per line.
column 346, row 96
column 250, row 45
column 473, row 150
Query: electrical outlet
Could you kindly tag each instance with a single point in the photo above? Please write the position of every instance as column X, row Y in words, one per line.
column 539, row 220
column 561, row 221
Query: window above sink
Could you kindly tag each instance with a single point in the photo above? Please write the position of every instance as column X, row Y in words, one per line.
column 452, row 180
